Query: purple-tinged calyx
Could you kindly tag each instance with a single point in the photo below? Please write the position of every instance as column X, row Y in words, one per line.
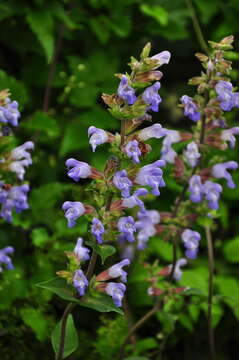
column 155, row 131
column 195, row 189
column 190, row 108
column 227, row 98
column 122, row 182
column 126, row 92
column 212, row 192
column 228, row 136
column 192, row 154
column 97, row 229
column 80, row 251
column 5, row 258
column 133, row 151
column 126, row 226
column 80, row 282
column 134, row 200
column 220, row 171
column 151, row 175
column 191, row 241
column 73, row 210
column 116, row 291
column 151, row 96
column 78, row 170
column 178, row 271
column 97, row 137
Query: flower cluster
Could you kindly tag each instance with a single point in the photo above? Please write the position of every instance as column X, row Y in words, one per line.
column 13, row 196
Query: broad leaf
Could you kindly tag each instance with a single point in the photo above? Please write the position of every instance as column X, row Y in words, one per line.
column 231, row 250
column 103, row 250
column 71, row 338
column 59, row 287
column 100, row 302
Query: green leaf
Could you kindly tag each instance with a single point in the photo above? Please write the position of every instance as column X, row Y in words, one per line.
column 100, row 26
column 39, row 237
column 59, row 287
column 17, row 89
column 71, row 337
column 196, row 278
column 136, row 358
column 103, row 250
column 41, row 23
column 231, row 250
column 157, row 12
column 36, row 321
column 40, row 121
column 100, row 302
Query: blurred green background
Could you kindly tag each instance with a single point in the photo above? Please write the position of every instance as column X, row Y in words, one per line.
column 57, row 57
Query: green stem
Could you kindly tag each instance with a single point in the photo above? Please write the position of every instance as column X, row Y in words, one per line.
column 67, row 312
column 197, row 27
column 136, row 326
column 210, row 292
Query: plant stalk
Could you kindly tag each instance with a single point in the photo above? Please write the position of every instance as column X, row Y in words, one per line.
column 210, row 292
column 67, row 312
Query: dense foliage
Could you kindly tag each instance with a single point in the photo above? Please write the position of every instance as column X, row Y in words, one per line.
column 57, row 58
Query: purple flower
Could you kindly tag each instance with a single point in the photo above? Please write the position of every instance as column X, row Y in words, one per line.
column 79, row 170
column 228, row 135
column 97, row 229
column 167, row 152
column 9, row 113
column 5, row 259
column 116, row 270
column 212, row 193
column 73, row 210
column 155, row 131
column 116, row 291
column 219, row 171
column 192, row 154
column 146, row 226
column 127, row 228
column 151, row 96
column 126, row 92
column 128, row 252
column 80, row 282
column 191, row 243
column 15, row 197
column 123, row 183
column 195, row 189
column 163, row 57
column 133, row 151
column 151, row 175
column 134, row 200
column 190, row 108
column 177, row 271
column 22, row 159
column 81, row 252
column 21, row 152
column 97, row 137
column 227, row 98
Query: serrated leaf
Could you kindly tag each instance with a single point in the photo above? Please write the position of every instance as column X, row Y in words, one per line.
column 59, row 287
column 71, row 337
column 41, row 23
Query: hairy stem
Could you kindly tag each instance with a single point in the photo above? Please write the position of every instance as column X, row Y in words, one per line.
column 210, row 292
column 136, row 326
column 196, row 26
column 67, row 312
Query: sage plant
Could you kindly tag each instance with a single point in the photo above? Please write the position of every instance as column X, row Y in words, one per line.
column 120, row 222
column 13, row 164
